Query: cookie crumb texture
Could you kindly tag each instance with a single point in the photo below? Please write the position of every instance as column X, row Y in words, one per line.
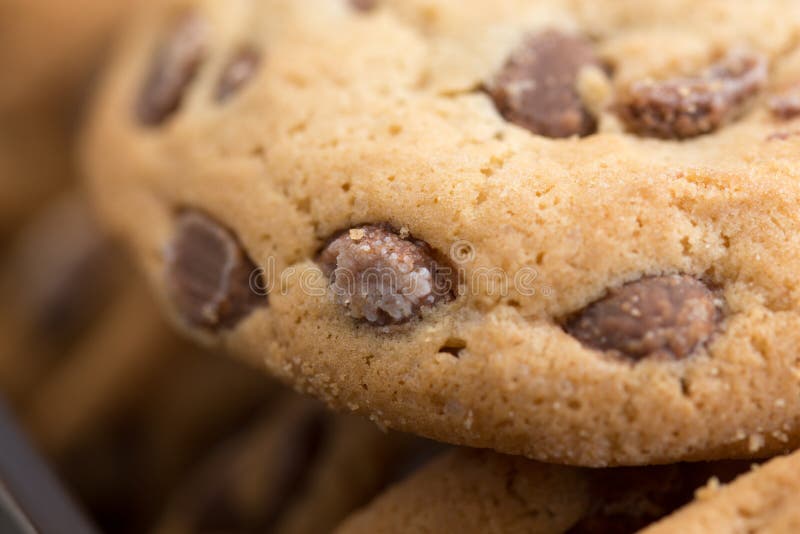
column 587, row 211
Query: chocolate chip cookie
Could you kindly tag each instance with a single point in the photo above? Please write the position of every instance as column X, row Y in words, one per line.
column 479, row 491
column 562, row 229
column 765, row 500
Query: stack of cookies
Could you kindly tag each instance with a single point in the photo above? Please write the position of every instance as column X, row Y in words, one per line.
column 559, row 235
column 149, row 432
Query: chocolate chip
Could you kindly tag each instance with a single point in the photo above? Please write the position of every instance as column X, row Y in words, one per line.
column 383, row 277
column 658, row 316
column 364, row 5
column 173, row 68
column 681, row 108
column 782, row 136
column 537, row 87
column 239, row 70
column 786, row 106
column 212, row 281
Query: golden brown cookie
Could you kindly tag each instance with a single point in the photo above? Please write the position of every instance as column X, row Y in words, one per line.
column 472, row 491
column 766, row 500
column 563, row 229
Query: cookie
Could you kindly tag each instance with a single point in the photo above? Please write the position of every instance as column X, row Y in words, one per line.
column 49, row 64
column 88, row 385
column 49, row 54
column 71, row 300
column 297, row 469
column 124, row 466
column 35, row 163
column 121, row 406
column 765, row 500
column 58, row 276
column 480, row 491
column 563, row 229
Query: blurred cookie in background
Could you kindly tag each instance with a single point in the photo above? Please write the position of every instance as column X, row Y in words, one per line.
column 118, row 403
column 51, row 47
column 471, row 491
column 123, row 468
column 35, row 163
column 49, row 52
column 296, row 470
column 149, row 431
column 58, row 278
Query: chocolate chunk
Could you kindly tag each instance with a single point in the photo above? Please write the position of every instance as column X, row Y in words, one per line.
column 627, row 499
column 786, row 105
column 364, row 5
column 173, row 68
column 212, row 281
column 681, row 108
column 239, row 70
column 382, row 277
column 537, row 87
column 658, row 316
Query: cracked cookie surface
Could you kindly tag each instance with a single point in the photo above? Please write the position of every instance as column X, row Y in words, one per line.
column 309, row 125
